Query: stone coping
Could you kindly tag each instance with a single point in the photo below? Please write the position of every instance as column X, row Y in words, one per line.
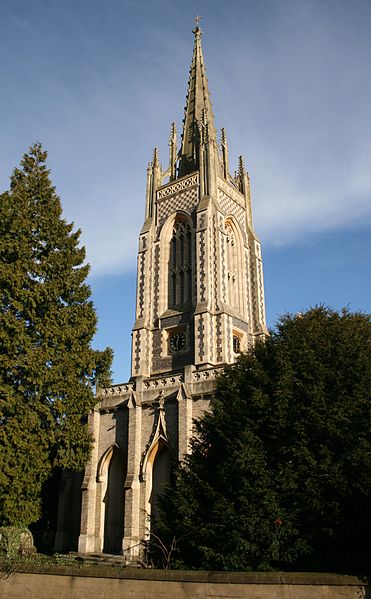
column 127, row 572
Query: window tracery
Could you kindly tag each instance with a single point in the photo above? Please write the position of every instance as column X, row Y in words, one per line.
column 180, row 264
column 232, row 266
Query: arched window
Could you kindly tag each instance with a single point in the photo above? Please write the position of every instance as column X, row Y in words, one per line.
column 232, row 266
column 180, row 264
column 236, row 343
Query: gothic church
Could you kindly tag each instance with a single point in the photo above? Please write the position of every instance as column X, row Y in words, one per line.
column 199, row 302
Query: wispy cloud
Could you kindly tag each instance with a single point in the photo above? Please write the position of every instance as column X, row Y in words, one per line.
column 290, row 81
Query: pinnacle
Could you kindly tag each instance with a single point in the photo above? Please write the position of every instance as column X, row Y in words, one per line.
column 172, row 132
column 241, row 166
column 155, row 160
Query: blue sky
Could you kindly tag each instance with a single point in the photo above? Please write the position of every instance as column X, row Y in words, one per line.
column 98, row 82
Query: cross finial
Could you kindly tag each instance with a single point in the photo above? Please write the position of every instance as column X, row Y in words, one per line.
column 197, row 20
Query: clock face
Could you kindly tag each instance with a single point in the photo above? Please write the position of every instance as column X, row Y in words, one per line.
column 177, row 342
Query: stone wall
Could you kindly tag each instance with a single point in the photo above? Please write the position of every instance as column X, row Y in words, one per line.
column 106, row 582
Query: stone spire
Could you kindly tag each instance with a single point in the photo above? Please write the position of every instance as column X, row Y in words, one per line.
column 198, row 110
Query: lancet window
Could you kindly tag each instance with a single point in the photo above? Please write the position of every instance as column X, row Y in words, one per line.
column 232, row 266
column 180, row 264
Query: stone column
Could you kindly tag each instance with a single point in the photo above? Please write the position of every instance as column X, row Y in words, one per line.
column 131, row 542
column 185, row 413
column 88, row 537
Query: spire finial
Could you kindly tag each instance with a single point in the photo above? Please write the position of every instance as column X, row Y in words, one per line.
column 155, row 160
column 198, row 101
column 172, row 137
column 172, row 152
column 241, row 166
column 197, row 29
column 225, row 159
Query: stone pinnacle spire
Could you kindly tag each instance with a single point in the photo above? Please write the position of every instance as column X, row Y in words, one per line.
column 198, row 109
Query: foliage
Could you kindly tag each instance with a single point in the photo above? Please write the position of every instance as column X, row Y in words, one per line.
column 15, row 541
column 47, row 368
column 280, row 472
column 37, row 562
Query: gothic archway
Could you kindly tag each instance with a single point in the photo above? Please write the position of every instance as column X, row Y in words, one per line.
column 111, row 476
column 161, row 476
column 157, row 472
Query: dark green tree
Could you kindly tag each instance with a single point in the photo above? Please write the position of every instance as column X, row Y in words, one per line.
column 48, row 369
column 280, row 472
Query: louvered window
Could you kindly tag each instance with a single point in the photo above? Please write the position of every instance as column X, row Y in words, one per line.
column 180, row 265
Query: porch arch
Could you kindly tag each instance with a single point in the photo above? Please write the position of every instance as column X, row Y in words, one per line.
column 111, row 476
column 157, row 473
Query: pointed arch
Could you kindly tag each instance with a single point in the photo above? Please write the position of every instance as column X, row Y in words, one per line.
column 161, row 476
column 156, row 467
column 104, row 461
column 235, row 270
column 111, row 476
column 159, row 435
column 180, row 264
column 157, row 471
column 177, row 262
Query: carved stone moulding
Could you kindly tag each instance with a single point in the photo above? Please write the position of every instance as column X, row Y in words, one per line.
column 163, row 382
column 122, row 389
column 173, row 188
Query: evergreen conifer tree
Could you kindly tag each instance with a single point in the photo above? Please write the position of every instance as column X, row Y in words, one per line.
column 47, row 366
column 280, row 472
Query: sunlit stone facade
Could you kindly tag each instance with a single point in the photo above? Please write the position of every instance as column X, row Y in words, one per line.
column 200, row 301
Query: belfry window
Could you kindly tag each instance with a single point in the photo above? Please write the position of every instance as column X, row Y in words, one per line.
column 232, row 268
column 180, row 265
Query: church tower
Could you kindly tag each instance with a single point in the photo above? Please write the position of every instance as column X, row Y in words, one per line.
column 200, row 301
column 200, row 293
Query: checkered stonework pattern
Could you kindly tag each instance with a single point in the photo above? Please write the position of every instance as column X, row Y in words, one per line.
column 201, row 337
column 211, row 338
column 237, row 196
column 137, row 350
column 202, row 267
column 214, row 250
column 219, row 340
column 174, row 188
column 156, row 282
column 185, row 200
column 141, row 286
column 229, row 206
column 240, row 324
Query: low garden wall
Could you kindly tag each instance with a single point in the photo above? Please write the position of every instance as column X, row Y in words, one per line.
column 99, row 582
